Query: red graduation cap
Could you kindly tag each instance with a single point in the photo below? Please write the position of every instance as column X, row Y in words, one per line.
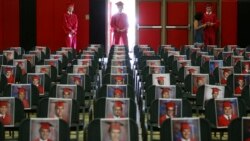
column 160, row 78
column 45, row 125
column 170, row 105
column 240, row 78
column 119, row 69
column 75, row 78
column 35, row 77
column 81, row 69
column 43, row 69
column 8, row 69
column 226, row 70
column 51, row 63
column 227, row 104
column 183, row 63
column 237, row 59
column 184, row 126
column 119, row 3
column 115, row 126
column 67, row 90
column 56, row 57
column 59, row 104
column 165, row 90
column 19, row 62
column 71, row 4
column 21, row 90
column 4, row 103
column 246, row 63
column 199, row 78
column 118, row 78
column 191, row 70
column 118, row 91
column 215, row 89
column 118, row 104
column 206, row 58
column 208, row 4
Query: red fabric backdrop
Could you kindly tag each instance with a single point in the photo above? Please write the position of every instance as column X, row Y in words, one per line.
column 9, row 23
column 50, row 19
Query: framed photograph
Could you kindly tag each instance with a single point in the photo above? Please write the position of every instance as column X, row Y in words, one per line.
column 190, row 70
column 213, row 64
column 156, row 69
column 226, row 110
column 85, row 62
column 240, row 51
column 115, row 129
column 10, row 73
column 148, row 53
column 60, row 108
column 153, row 63
column 18, row 50
column 117, row 91
column 31, row 58
column 63, row 53
column 37, row 79
column 240, row 81
column 217, row 52
column 7, row 111
column 56, row 56
column 22, row 64
column 118, row 62
column 213, row 92
column 167, row 92
column 161, row 79
column 226, row 55
column 245, row 128
column 183, row 63
column 80, row 69
column 87, row 56
column 52, row 62
column 9, row 54
column 41, row 49
column 22, row 92
column 206, row 58
column 247, row 55
column 68, row 49
column 245, row 66
column 172, row 53
column 119, row 79
column 46, row 69
column 44, row 129
column 236, row 59
column 66, row 91
column 117, row 108
column 118, row 69
column 37, row 53
column 180, row 57
column 118, row 57
column 169, row 108
column 231, row 47
column 198, row 80
column 224, row 72
column 186, row 129
column 76, row 79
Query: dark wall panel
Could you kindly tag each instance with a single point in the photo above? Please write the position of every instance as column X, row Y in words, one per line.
column 27, row 23
column 243, row 23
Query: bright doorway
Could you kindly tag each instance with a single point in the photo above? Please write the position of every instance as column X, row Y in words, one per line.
column 129, row 9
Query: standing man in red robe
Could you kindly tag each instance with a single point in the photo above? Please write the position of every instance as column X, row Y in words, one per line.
column 210, row 19
column 70, row 26
column 119, row 24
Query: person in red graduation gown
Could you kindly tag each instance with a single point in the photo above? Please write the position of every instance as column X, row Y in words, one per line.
column 22, row 96
column 5, row 118
column 119, row 25
column 241, row 84
column 226, row 73
column 70, row 26
column 170, row 109
column 228, row 116
column 36, row 82
column 44, row 132
column 117, row 110
column 212, row 23
column 9, row 75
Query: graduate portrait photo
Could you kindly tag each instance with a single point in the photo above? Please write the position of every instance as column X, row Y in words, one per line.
column 117, row 108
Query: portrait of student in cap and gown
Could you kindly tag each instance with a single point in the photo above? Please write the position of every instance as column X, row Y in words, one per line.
column 22, row 95
column 224, row 73
column 10, row 75
column 186, row 132
column 212, row 25
column 44, row 132
column 197, row 82
column 166, row 92
column 227, row 115
column 70, row 26
column 37, row 81
column 245, row 67
column 170, row 111
column 5, row 114
column 116, row 109
column 239, row 85
column 119, row 25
